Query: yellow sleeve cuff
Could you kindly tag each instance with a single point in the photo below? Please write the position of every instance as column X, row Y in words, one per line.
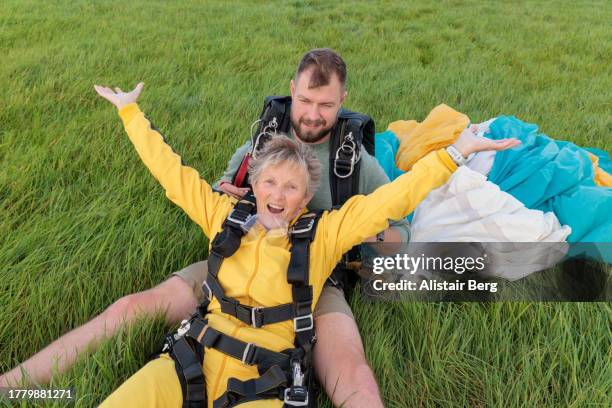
column 128, row 112
column 446, row 159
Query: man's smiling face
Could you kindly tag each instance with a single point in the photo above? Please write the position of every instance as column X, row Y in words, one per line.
column 314, row 111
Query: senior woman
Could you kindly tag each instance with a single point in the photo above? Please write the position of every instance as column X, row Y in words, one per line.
column 284, row 176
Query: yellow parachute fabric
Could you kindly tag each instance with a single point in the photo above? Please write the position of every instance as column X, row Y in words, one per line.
column 438, row 130
column 602, row 178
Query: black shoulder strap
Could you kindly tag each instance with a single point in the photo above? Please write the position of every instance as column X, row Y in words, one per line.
column 361, row 125
column 274, row 118
column 298, row 272
column 227, row 241
column 351, row 132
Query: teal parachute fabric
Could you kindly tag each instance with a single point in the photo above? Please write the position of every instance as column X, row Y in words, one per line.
column 386, row 145
column 551, row 175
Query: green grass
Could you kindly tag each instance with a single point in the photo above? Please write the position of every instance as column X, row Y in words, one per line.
column 82, row 222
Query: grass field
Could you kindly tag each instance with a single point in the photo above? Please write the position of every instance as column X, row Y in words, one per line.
column 83, row 223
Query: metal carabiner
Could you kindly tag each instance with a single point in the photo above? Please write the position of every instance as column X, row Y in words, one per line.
column 273, row 124
column 347, row 146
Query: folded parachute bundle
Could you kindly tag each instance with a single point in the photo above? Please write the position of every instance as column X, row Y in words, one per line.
column 542, row 173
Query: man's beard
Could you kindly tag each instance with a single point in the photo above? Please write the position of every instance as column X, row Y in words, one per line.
column 310, row 136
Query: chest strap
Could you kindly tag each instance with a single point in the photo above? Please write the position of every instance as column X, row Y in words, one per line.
column 301, row 233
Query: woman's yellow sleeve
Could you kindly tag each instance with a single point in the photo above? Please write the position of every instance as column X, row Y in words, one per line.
column 183, row 184
column 364, row 216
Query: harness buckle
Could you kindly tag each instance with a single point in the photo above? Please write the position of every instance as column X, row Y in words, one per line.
column 184, row 328
column 308, row 320
column 296, row 396
column 247, row 354
column 351, row 163
column 268, row 130
column 298, row 230
column 239, row 222
column 169, row 342
column 256, row 311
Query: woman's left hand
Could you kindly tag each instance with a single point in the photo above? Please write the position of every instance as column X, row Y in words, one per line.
column 469, row 143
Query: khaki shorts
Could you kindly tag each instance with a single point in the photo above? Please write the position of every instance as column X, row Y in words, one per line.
column 331, row 299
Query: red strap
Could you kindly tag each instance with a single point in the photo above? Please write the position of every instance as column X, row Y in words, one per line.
column 242, row 171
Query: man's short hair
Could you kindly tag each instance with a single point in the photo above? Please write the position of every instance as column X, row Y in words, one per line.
column 324, row 62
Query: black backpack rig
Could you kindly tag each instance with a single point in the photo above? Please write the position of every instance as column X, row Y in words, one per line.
column 352, row 130
column 287, row 375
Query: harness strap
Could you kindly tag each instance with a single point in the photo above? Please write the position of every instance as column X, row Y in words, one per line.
column 299, row 310
column 195, row 335
column 253, row 316
column 201, row 336
column 274, row 118
column 302, row 234
column 190, row 374
column 269, row 386
column 247, row 353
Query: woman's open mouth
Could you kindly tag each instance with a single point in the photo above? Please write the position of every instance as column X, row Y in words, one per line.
column 275, row 209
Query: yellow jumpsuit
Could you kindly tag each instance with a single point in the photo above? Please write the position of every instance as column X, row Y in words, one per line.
column 256, row 274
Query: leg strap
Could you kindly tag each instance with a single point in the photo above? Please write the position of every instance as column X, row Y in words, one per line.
column 269, row 386
column 190, row 374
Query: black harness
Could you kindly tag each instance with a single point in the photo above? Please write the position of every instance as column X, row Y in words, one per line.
column 352, row 130
column 287, row 375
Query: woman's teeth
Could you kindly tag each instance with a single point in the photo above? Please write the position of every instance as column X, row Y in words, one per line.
column 274, row 209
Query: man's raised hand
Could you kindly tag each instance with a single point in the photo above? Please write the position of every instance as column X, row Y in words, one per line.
column 118, row 97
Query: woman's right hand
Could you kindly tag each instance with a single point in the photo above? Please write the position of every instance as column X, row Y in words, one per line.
column 118, row 97
column 469, row 143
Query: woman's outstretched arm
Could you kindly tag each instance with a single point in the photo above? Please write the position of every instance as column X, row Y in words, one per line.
column 183, row 184
column 363, row 216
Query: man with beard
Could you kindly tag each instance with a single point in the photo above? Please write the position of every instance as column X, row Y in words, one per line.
column 317, row 93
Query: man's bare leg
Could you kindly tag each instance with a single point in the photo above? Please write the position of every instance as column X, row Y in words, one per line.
column 340, row 363
column 174, row 296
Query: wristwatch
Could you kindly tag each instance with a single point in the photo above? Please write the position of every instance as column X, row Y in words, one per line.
column 456, row 155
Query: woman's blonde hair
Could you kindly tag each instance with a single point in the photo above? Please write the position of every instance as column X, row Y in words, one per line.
column 282, row 149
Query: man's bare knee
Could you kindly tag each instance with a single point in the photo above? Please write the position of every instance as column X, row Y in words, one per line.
column 126, row 308
column 177, row 297
column 340, row 332
column 172, row 299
